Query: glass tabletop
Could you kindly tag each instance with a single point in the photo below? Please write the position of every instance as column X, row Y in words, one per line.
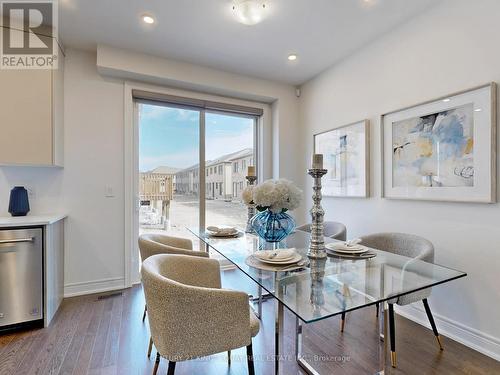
column 324, row 288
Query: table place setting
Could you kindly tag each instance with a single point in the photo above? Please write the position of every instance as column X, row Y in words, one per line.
column 223, row 231
column 351, row 249
column 277, row 260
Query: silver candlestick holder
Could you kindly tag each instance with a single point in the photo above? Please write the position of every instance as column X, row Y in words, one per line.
column 251, row 206
column 317, row 242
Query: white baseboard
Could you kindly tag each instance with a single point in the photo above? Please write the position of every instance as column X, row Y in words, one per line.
column 470, row 337
column 95, row 286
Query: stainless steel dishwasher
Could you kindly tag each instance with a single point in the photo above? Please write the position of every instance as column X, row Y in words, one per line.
column 21, row 276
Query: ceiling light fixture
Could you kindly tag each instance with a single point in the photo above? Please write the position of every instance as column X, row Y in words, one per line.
column 292, row 57
column 148, row 19
column 478, row 110
column 446, row 100
column 250, row 12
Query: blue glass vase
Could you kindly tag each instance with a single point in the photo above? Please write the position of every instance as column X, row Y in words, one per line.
column 273, row 227
column 18, row 203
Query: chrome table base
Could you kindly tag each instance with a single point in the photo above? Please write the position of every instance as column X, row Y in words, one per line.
column 309, row 369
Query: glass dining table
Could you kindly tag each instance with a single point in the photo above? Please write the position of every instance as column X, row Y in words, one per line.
column 321, row 289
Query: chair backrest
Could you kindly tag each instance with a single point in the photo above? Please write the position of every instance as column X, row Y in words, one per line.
column 331, row 229
column 409, row 245
column 156, row 243
column 183, row 296
column 405, row 244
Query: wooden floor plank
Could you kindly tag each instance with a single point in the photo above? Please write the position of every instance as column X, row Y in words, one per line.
column 70, row 359
column 107, row 337
column 40, row 352
column 83, row 360
column 14, row 351
column 5, row 339
column 64, row 341
column 56, row 351
column 132, row 358
column 97, row 358
column 113, row 338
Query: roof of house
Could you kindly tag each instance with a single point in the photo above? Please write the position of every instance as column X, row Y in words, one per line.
column 224, row 158
column 163, row 169
column 230, row 157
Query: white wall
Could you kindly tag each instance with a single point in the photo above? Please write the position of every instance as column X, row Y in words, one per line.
column 454, row 47
column 93, row 159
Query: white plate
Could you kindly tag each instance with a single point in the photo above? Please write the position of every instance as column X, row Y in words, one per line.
column 296, row 258
column 277, row 261
column 340, row 248
column 223, row 235
column 277, row 255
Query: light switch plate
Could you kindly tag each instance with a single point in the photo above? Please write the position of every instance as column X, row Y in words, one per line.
column 109, row 192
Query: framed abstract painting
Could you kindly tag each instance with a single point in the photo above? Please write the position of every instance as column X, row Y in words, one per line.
column 346, row 157
column 442, row 150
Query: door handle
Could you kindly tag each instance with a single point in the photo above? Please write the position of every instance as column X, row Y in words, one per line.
column 17, row 240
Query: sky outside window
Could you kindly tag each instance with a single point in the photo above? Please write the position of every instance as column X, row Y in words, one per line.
column 170, row 136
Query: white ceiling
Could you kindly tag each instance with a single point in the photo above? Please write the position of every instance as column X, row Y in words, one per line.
column 205, row 32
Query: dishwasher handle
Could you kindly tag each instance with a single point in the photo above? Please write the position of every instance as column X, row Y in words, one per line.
column 17, row 240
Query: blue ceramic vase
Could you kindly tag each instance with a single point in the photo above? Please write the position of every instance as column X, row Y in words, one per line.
column 271, row 226
column 19, row 204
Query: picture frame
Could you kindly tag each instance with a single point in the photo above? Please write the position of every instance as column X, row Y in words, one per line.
column 346, row 156
column 443, row 149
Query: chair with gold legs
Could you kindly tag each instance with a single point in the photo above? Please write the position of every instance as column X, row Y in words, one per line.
column 414, row 247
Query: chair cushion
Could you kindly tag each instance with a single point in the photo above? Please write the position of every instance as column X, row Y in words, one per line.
column 254, row 323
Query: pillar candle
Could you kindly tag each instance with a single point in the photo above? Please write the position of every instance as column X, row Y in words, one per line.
column 251, row 171
column 317, row 161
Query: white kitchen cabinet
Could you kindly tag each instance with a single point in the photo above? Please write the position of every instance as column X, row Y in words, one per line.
column 31, row 116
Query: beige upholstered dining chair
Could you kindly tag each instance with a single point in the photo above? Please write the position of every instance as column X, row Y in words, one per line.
column 332, row 229
column 414, row 247
column 155, row 243
column 190, row 315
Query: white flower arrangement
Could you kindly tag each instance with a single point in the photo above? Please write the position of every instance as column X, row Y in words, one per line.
column 275, row 195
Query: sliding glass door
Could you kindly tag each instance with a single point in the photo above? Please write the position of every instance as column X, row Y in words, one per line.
column 229, row 150
column 192, row 167
column 169, row 179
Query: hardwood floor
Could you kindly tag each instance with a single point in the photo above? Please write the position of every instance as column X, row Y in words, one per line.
column 92, row 335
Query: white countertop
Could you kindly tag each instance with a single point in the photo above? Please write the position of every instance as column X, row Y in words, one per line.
column 30, row 220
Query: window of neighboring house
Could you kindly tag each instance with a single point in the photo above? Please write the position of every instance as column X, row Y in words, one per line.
column 207, row 172
column 243, row 165
column 235, row 167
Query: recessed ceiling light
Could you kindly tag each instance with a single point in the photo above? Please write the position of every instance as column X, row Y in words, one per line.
column 478, row 110
column 446, row 100
column 292, row 57
column 250, row 12
column 148, row 19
